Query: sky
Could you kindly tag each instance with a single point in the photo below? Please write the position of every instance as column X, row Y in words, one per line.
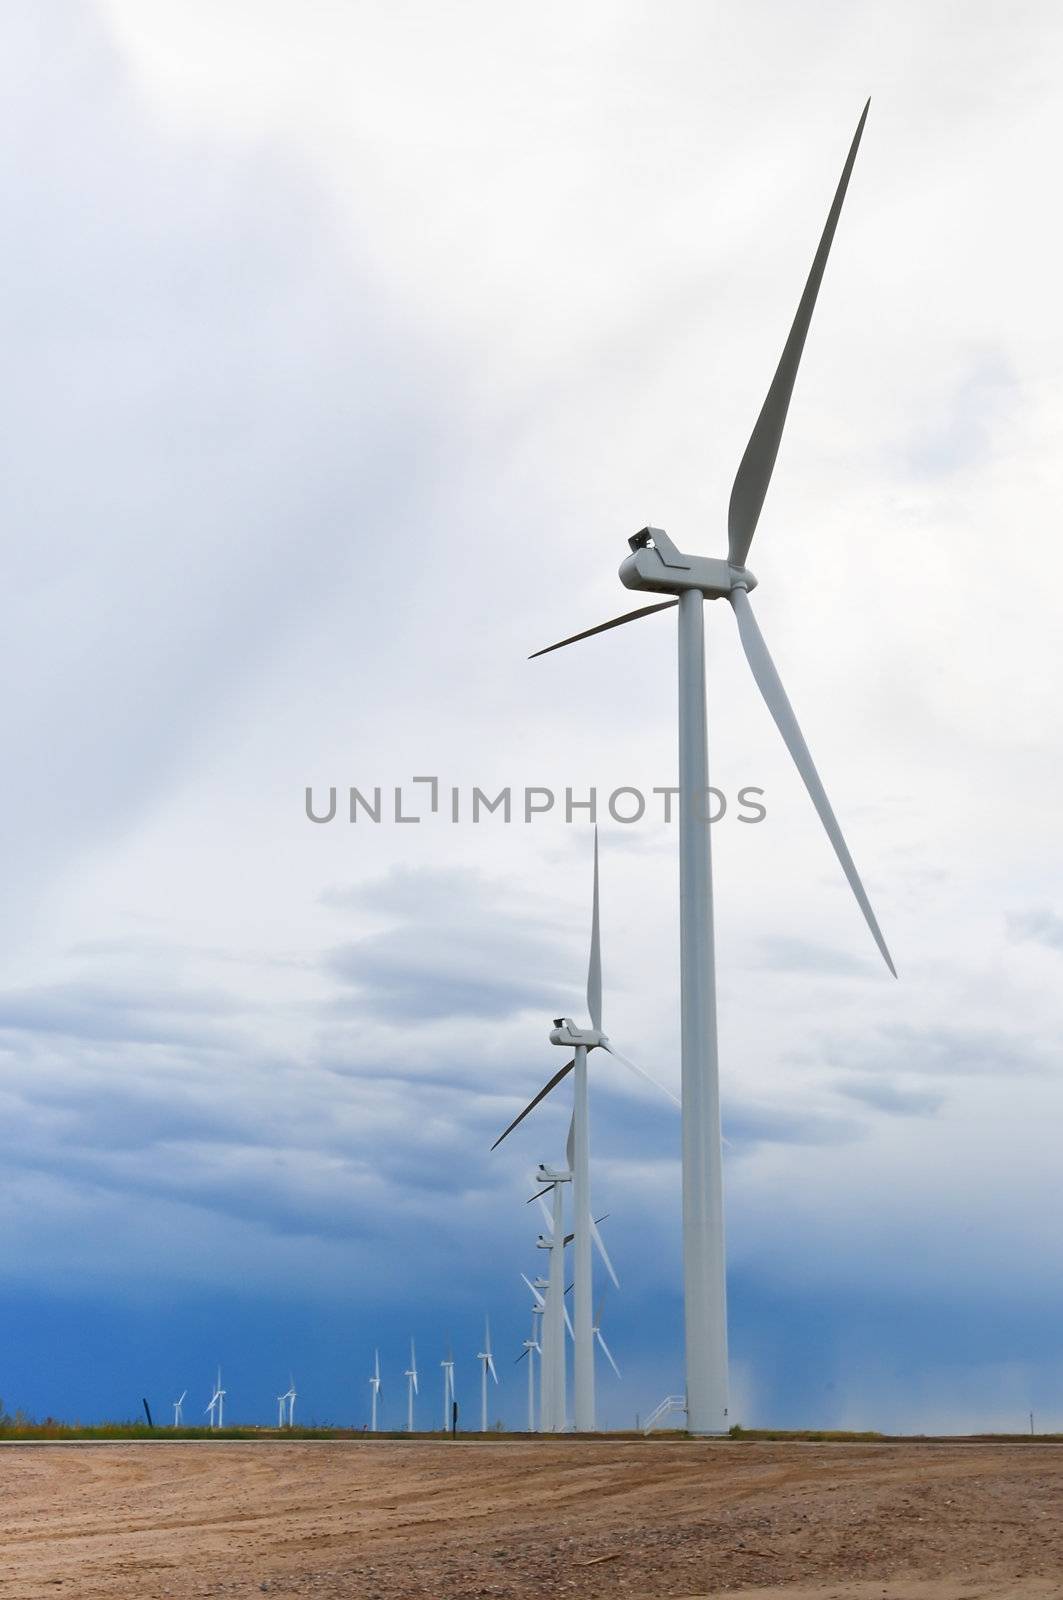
column 346, row 345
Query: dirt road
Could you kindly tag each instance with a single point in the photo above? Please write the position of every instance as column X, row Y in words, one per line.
column 460, row 1521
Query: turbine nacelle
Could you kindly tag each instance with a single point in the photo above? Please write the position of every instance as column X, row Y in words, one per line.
column 566, row 1033
column 656, row 565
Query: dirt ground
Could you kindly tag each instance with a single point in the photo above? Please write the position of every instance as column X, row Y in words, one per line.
column 515, row 1520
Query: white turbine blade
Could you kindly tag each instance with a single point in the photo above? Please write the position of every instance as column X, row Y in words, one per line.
column 487, row 1337
column 538, row 1297
column 570, row 1143
column 603, row 1252
column 608, row 1352
column 545, row 1209
column 491, row 1367
column 770, row 686
column 758, row 462
column 594, row 970
column 639, row 1071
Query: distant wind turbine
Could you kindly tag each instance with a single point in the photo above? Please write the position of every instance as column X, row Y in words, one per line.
column 374, row 1390
column 487, row 1364
column 411, row 1387
column 216, row 1408
column 448, row 1387
column 598, row 1335
column 532, row 1348
column 657, row 566
column 178, row 1412
column 289, row 1398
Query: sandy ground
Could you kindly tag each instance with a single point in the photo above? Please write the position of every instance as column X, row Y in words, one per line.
column 380, row 1520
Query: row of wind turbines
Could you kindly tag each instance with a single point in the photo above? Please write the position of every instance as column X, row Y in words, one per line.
column 215, row 1408
column 656, row 565
column 681, row 582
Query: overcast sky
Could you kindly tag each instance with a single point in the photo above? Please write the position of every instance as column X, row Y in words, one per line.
column 345, row 346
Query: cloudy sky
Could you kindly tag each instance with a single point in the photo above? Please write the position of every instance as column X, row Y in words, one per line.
column 345, row 345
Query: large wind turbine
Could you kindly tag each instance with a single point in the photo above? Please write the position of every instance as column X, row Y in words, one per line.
column 411, row 1387
column 487, row 1364
column 581, row 1041
column 178, row 1410
column 288, row 1400
column 374, row 1390
column 657, row 566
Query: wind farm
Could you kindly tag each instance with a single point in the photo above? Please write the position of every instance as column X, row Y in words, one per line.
column 445, row 943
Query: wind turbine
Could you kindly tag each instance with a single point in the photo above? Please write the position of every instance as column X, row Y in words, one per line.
column 178, row 1412
column 281, row 1399
column 582, row 1041
column 553, row 1412
column 598, row 1335
column 216, row 1409
column 532, row 1348
column 411, row 1387
column 374, row 1390
column 448, row 1387
column 657, row 566
column 290, row 1398
column 487, row 1364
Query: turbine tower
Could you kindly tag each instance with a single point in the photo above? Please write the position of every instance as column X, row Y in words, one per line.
column 411, row 1387
column 656, row 566
column 288, row 1400
column 178, row 1411
column 581, row 1041
column 374, row 1390
column 487, row 1364
column 554, row 1407
column 532, row 1348
column 448, row 1387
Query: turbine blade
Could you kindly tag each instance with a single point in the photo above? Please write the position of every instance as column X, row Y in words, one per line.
column 532, row 1198
column 756, row 467
column 568, row 1321
column 594, row 970
column 770, row 686
column 491, row 1367
column 534, row 1290
column 543, row 1092
column 639, row 1071
column 603, row 627
column 545, row 1209
column 603, row 1252
column 608, row 1354
column 570, row 1142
